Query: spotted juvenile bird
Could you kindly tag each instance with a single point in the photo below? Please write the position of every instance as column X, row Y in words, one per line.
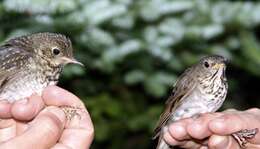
column 200, row 89
column 30, row 63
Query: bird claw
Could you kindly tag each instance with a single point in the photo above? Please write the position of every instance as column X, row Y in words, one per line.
column 242, row 136
column 71, row 112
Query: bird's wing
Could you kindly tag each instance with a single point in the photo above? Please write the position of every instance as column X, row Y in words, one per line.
column 9, row 66
column 183, row 86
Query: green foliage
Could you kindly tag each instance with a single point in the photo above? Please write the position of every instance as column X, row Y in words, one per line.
column 133, row 52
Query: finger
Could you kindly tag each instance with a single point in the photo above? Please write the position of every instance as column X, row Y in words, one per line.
column 5, row 109
column 21, row 127
column 79, row 132
column 220, row 142
column 232, row 122
column 171, row 141
column 57, row 96
column 60, row 146
column 27, row 109
column 7, row 129
column 178, row 129
column 192, row 145
column 183, row 144
column 44, row 131
column 198, row 128
column 255, row 111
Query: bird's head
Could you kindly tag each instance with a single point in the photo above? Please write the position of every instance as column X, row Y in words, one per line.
column 213, row 65
column 52, row 47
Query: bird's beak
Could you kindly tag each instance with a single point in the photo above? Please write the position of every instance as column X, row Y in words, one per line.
column 219, row 65
column 72, row 61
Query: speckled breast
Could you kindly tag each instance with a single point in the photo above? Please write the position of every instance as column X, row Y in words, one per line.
column 207, row 96
column 27, row 83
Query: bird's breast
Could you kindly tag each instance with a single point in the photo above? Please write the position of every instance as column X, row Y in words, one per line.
column 214, row 93
column 201, row 100
column 27, row 83
column 191, row 105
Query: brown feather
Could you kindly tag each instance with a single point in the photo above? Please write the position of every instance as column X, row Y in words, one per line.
column 180, row 90
column 9, row 69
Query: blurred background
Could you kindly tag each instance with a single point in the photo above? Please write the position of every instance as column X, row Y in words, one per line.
column 134, row 50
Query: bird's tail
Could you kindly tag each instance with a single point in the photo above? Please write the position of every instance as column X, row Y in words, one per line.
column 162, row 144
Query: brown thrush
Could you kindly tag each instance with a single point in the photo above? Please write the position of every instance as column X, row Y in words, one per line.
column 30, row 63
column 200, row 89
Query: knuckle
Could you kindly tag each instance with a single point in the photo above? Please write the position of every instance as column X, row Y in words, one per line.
column 253, row 110
column 196, row 131
column 235, row 118
column 168, row 139
column 177, row 131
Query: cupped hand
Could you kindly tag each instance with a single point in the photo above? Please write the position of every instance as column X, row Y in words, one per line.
column 43, row 132
column 49, row 128
column 79, row 132
column 213, row 130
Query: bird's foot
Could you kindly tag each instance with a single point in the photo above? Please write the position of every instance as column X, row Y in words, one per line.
column 71, row 111
column 242, row 136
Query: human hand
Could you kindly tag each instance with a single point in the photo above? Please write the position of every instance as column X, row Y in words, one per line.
column 23, row 110
column 213, row 130
column 49, row 129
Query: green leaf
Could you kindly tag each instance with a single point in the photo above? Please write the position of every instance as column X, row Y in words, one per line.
column 41, row 6
column 135, row 76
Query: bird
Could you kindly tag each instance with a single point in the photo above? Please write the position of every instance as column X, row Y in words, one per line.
column 202, row 88
column 30, row 63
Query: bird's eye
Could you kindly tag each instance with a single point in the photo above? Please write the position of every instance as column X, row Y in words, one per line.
column 206, row 64
column 56, row 51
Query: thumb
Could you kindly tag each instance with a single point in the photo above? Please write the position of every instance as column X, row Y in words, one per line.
column 220, row 142
column 43, row 132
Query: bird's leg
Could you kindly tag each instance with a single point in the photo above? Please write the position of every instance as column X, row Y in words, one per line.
column 71, row 111
column 243, row 135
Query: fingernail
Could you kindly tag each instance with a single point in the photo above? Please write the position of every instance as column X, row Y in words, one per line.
column 22, row 101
